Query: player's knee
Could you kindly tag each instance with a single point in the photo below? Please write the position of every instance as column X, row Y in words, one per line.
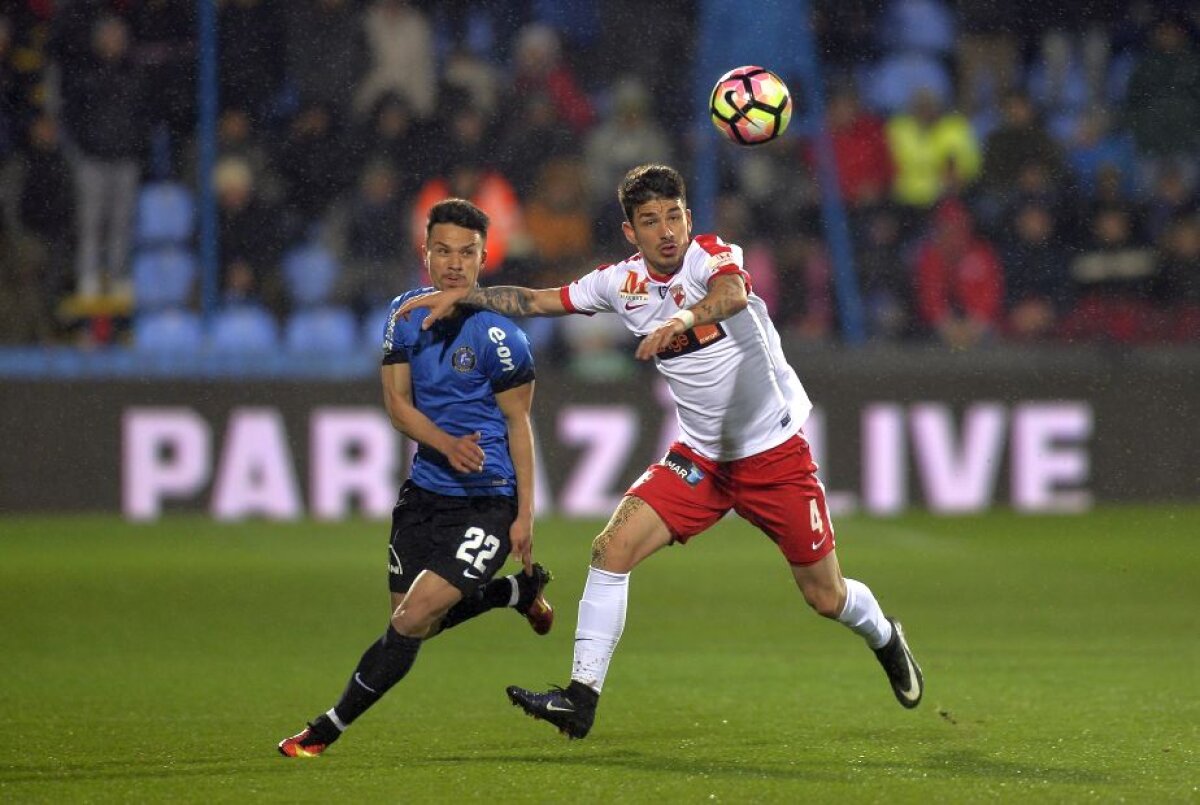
column 825, row 601
column 611, row 555
column 414, row 621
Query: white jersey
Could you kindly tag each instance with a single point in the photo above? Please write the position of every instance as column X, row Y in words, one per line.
column 734, row 392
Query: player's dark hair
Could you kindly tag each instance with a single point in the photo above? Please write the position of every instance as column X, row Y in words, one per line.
column 460, row 212
column 647, row 182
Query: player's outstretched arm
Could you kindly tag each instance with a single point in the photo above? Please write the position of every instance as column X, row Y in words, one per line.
column 508, row 300
column 515, row 404
column 726, row 297
column 463, row 452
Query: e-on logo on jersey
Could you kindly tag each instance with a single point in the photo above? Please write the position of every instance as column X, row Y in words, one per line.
column 463, row 359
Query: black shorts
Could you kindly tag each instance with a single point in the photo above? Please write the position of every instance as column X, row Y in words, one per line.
column 462, row 539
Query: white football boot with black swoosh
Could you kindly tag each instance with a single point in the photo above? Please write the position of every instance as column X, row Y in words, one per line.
column 903, row 672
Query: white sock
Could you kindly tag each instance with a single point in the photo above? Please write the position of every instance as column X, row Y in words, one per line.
column 601, row 621
column 516, row 592
column 863, row 615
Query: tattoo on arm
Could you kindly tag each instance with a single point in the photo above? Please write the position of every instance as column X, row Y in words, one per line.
column 508, row 300
column 724, row 299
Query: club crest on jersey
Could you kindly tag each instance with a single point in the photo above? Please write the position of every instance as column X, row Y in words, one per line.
column 635, row 287
column 677, row 294
column 463, row 359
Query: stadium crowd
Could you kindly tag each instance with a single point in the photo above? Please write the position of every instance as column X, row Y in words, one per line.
column 1009, row 174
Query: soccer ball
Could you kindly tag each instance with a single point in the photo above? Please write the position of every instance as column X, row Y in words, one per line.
column 750, row 105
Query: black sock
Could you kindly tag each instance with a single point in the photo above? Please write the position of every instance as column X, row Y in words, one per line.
column 382, row 665
column 368, row 659
column 496, row 593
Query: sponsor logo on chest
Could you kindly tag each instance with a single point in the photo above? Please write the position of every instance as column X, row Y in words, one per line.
column 637, row 292
column 634, row 290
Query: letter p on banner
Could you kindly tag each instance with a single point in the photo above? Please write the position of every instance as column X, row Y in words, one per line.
column 166, row 452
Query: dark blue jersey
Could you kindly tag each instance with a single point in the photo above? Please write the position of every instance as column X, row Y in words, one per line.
column 458, row 367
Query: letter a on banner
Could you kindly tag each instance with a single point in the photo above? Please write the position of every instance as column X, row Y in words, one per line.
column 256, row 476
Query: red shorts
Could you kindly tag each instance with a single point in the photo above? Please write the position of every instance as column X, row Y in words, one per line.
column 776, row 490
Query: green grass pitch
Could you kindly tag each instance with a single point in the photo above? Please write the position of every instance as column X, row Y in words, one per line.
column 163, row 662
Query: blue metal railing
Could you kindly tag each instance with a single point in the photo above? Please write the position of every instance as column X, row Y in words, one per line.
column 206, row 147
column 776, row 35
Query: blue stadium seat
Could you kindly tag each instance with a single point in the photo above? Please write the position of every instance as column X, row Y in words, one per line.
column 322, row 330
column 1070, row 94
column 925, row 25
column 165, row 214
column 171, row 330
column 163, row 278
column 372, row 325
column 243, row 328
column 309, row 273
column 891, row 84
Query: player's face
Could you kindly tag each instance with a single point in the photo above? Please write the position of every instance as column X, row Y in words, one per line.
column 661, row 230
column 454, row 256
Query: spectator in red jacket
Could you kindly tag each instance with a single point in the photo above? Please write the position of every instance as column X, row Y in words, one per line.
column 959, row 280
column 541, row 68
column 860, row 150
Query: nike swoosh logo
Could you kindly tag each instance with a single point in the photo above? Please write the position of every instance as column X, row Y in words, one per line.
column 558, row 709
column 471, row 575
column 913, row 693
column 631, row 306
column 816, row 545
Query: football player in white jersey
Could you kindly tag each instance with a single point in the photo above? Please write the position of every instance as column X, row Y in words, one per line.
column 740, row 408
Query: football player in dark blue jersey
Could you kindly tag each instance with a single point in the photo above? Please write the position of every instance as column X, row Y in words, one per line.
column 462, row 390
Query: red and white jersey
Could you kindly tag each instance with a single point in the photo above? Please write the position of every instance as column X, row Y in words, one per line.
column 734, row 392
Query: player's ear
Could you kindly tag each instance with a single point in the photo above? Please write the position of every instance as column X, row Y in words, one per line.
column 687, row 216
column 630, row 236
column 482, row 260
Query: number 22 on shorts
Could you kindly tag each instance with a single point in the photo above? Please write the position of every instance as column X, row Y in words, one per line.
column 477, row 548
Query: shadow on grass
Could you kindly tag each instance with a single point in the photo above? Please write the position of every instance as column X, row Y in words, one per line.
column 124, row 768
column 158, row 768
column 969, row 763
column 948, row 765
column 954, row 764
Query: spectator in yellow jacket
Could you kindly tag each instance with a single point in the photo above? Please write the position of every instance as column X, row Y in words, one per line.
column 935, row 151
